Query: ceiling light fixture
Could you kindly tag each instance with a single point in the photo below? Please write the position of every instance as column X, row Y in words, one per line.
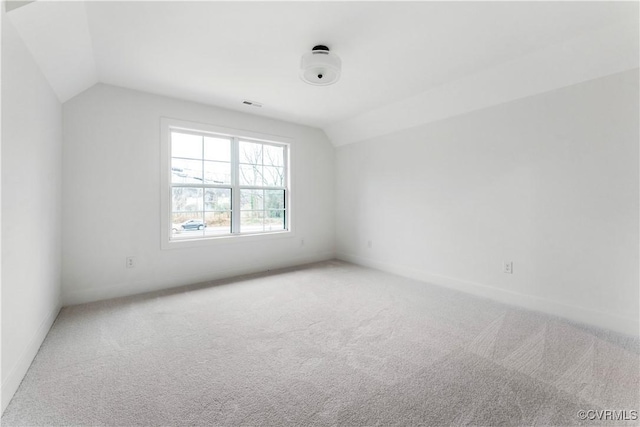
column 320, row 67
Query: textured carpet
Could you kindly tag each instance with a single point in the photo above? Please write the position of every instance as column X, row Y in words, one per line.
column 324, row 344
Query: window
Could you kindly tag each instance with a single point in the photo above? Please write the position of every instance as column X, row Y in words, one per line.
column 221, row 183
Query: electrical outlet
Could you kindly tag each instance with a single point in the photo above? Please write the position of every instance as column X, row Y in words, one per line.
column 508, row 267
column 130, row 262
column 301, row 242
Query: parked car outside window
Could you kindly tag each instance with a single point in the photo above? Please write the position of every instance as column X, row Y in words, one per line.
column 192, row 224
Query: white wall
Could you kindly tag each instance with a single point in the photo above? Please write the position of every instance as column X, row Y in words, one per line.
column 549, row 182
column 31, row 209
column 111, row 197
column 571, row 61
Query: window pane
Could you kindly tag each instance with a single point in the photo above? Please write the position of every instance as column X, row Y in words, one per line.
column 250, row 153
column 251, row 221
column 273, row 176
column 185, row 145
column 186, row 199
column 203, row 178
column 217, row 149
column 187, row 225
column 251, row 199
column 186, row 171
column 274, row 220
column 217, row 223
column 217, row 199
column 274, row 199
column 217, row 172
column 273, row 156
column 251, row 175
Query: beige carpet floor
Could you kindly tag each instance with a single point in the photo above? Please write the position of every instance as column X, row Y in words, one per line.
column 324, row 344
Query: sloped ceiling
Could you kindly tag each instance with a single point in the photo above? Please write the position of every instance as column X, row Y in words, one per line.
column 404, row 63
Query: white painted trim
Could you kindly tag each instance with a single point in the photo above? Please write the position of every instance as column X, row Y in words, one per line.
column 599, row 319
column 82, row 296
column 227, row 239
column 17, row 372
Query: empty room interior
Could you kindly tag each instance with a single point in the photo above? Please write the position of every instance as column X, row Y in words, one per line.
column 320, row 213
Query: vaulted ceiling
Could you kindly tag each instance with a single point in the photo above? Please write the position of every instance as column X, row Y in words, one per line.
column 404, row 63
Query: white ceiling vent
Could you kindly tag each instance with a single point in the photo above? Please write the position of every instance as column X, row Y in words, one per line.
column 252, row 103
column 320, row 67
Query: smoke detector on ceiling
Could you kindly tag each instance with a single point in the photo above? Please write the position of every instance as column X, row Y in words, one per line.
column 320, row 67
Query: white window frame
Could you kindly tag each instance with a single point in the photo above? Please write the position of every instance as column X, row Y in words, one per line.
column 167, row 125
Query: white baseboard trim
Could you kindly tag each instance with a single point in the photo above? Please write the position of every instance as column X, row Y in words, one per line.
column 587, row 316
column 19, row 369
column 75, row 297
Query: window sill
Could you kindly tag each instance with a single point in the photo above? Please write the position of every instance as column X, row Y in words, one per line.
column 225, row 240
